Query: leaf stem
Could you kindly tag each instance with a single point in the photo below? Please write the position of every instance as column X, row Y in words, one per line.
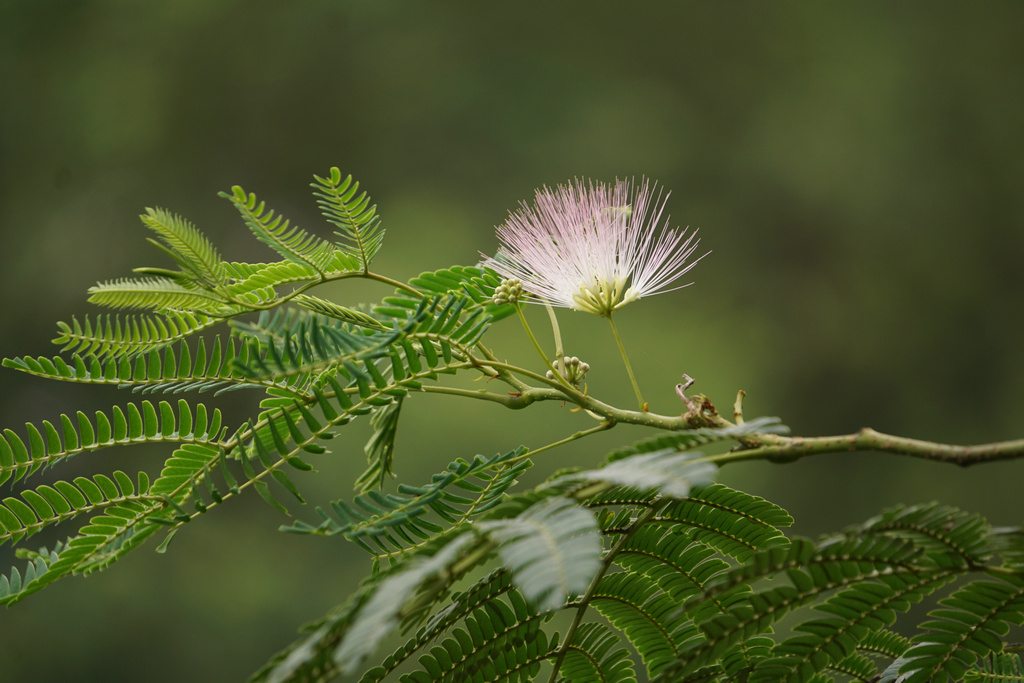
column 319, row 281
column 394, row 283
column 515, row 400
column 584, row 602
column 608, row 424
column 629, row 368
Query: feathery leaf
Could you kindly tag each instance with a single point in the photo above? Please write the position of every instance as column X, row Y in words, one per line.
column 380, row 449
column 108, row 335
column 467, row 282
column 595, row 654
column 692, row 438
column 383, row 611
column 155, row 370
column 333, row 310
column 668, row 471
column 1003, row 667
column 350, row 210
column 135, row 423
column 160, row 294
column 276, row 232
column 552, row 549
column 190, row 248
column 968, row 624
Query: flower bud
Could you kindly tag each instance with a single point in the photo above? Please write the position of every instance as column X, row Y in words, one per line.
column 575, row 370
column 508, row 292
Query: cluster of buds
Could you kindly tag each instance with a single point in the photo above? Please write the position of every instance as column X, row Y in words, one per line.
column 508, row 292
column 575, row 370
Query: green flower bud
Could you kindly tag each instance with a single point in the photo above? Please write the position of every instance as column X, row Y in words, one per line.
column 508, row 292
column 575, row 370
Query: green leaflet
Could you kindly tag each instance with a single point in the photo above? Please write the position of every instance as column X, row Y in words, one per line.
column 38, row 563
column 283, row 324
column 515, row 651
column 388, row 523
column 648, row 617
column 486, row 621
column 121, row 524
column 968, row 623
column 47, row 505
column 495, row 620
column 857, row 666
column 303, row 351
column 943, row 530
column 314, row 655
column 681, row 566
column 135, row 423
column 197, row 368
column 300, row 360
column 832, row 643
column 883, row 643
column 298, row 350
column 830, row 564
column 258, row 283
column 333, row 310
column 115, row 336
column 160, row 294
column 185, row 466
column 245, row 277
column 475, row 285
column 732, row 522
column 1003, row 667
column 596, row 654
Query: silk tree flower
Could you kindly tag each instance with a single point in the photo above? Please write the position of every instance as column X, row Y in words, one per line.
column 593, row 247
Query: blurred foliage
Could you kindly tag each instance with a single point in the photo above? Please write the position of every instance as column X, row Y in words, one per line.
column 856, row 168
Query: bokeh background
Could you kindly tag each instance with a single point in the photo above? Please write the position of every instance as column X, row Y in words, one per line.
column 857, row 170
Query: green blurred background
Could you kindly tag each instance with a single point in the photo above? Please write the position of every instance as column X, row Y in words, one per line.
column 857, row 170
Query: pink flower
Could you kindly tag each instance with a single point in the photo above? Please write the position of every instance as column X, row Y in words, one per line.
column 592, row 247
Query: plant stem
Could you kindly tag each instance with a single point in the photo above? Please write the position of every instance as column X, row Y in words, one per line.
column 776, row 448
column 526, row 326
column 502, row 373
column 770, row 447
column 629, row 368
column 559, row 351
